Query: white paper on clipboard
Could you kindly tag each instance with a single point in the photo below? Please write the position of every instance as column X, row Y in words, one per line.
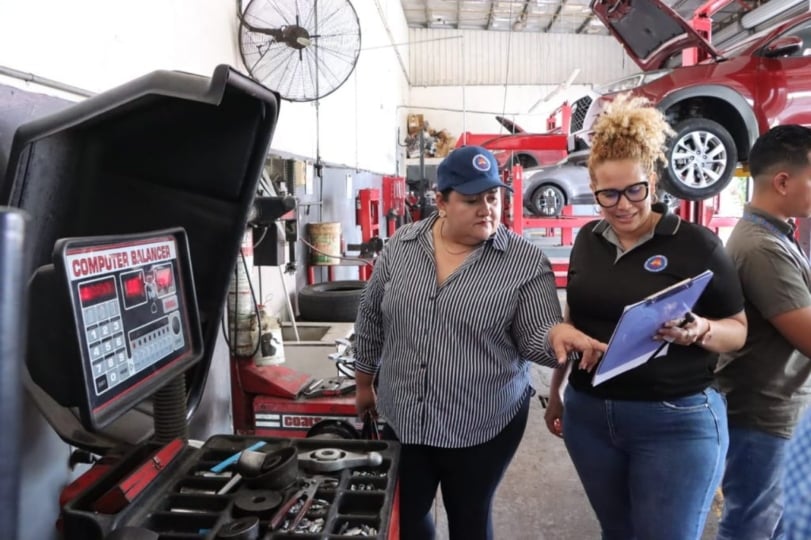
column 631, row 344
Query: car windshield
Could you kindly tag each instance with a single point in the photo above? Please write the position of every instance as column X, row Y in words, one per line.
column 743, row 46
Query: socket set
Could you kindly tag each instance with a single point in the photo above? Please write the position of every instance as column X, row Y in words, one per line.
column 247, row 488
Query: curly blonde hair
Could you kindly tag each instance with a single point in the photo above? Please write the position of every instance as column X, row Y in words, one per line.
column 629, row 128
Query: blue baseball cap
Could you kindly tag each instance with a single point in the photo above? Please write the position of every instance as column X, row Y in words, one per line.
column 469, row 170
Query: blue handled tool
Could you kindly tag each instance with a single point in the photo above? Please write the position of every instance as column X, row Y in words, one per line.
column 224, row 464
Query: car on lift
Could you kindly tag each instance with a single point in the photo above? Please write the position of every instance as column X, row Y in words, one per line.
column 518, row 147
column 716, row 107
column 546, row 190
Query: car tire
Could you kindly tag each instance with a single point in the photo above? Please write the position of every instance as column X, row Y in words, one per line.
column 547, row 201
column 701, row 160
column 526, row 161
column 331, row 301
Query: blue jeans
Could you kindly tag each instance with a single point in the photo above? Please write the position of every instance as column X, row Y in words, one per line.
column 649, row 468
column 753, row 499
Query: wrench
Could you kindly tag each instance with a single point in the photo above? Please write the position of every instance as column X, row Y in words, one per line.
column 335, row 459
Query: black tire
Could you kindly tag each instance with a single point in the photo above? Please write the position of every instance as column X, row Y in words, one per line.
column 525, row 160
column 547, row 201
column 701, row 160
column 332, row 301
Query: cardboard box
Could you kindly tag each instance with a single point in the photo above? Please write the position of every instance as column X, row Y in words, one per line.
column 415, row 123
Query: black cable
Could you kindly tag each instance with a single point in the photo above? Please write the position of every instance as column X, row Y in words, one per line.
column 236, row 303
column 262, row 238
column 255, row 306
column 261, row 299
column 344, row 368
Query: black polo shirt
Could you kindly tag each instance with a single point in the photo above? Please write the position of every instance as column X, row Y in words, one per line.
column 602, row 282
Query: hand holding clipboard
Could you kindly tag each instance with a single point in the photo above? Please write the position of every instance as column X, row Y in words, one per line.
column 631, row 344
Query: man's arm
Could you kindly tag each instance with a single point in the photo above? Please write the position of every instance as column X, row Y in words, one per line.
column 783, row 298
column 795, row 326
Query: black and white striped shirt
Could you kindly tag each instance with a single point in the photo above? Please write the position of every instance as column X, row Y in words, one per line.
column 452, row 358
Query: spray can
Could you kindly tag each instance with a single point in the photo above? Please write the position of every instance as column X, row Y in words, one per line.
column 271, row 347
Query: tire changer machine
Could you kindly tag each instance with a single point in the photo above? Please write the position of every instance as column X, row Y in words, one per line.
column 136, row 201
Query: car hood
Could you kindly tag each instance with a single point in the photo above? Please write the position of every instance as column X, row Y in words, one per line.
column 509, row 125
column 650, row 31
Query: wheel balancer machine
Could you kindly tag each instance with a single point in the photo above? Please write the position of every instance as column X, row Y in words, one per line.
column 137, row 200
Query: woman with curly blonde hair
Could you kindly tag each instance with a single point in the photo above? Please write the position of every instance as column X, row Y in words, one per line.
column 648, row 444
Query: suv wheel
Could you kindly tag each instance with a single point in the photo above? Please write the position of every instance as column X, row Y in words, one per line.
column 547, row 201
column 701, row 159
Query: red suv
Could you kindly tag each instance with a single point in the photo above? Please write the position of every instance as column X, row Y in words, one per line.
column 717, row 107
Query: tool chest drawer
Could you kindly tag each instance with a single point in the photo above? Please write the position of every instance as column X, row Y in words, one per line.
column 245, row 488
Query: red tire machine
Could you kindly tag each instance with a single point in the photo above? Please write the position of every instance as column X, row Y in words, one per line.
column 277, row 401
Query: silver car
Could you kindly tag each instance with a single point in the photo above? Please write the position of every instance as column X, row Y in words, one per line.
column 548, row 189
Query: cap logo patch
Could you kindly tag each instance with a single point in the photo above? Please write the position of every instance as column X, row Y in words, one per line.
column 481, row 163
column 657, row 263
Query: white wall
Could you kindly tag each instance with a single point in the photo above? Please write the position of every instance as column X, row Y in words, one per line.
column 473, row 57
column 98, row 44
column 461, row 79
column 474, row 108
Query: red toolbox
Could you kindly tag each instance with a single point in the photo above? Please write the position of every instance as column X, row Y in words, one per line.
column 183, row 501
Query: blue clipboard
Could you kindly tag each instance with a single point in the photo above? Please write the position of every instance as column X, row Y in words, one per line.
column 631, row 344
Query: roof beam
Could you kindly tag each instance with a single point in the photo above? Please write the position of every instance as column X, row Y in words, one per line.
column 584, row 24
column 458, row 13
column 556, row 16
column 427, row 14
column 490, row 16
column 522, row 17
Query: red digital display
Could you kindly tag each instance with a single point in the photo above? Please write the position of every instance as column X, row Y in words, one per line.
column 97, row 291
column 134, row 288
column 163, row 278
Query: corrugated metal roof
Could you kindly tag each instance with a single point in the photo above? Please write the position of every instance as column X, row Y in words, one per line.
column 546, row 16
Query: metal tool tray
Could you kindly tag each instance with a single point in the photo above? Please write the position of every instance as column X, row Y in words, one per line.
column 204, row 514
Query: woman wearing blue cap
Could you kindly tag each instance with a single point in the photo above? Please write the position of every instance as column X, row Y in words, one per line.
column 455, row 309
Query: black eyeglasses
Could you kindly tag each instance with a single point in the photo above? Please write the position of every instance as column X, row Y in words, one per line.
column 611, row 197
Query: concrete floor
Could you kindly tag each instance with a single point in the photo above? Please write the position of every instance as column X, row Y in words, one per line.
column 540, row 497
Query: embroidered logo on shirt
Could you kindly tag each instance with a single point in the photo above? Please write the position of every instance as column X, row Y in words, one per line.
column 657, row 263
column 481, row 163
